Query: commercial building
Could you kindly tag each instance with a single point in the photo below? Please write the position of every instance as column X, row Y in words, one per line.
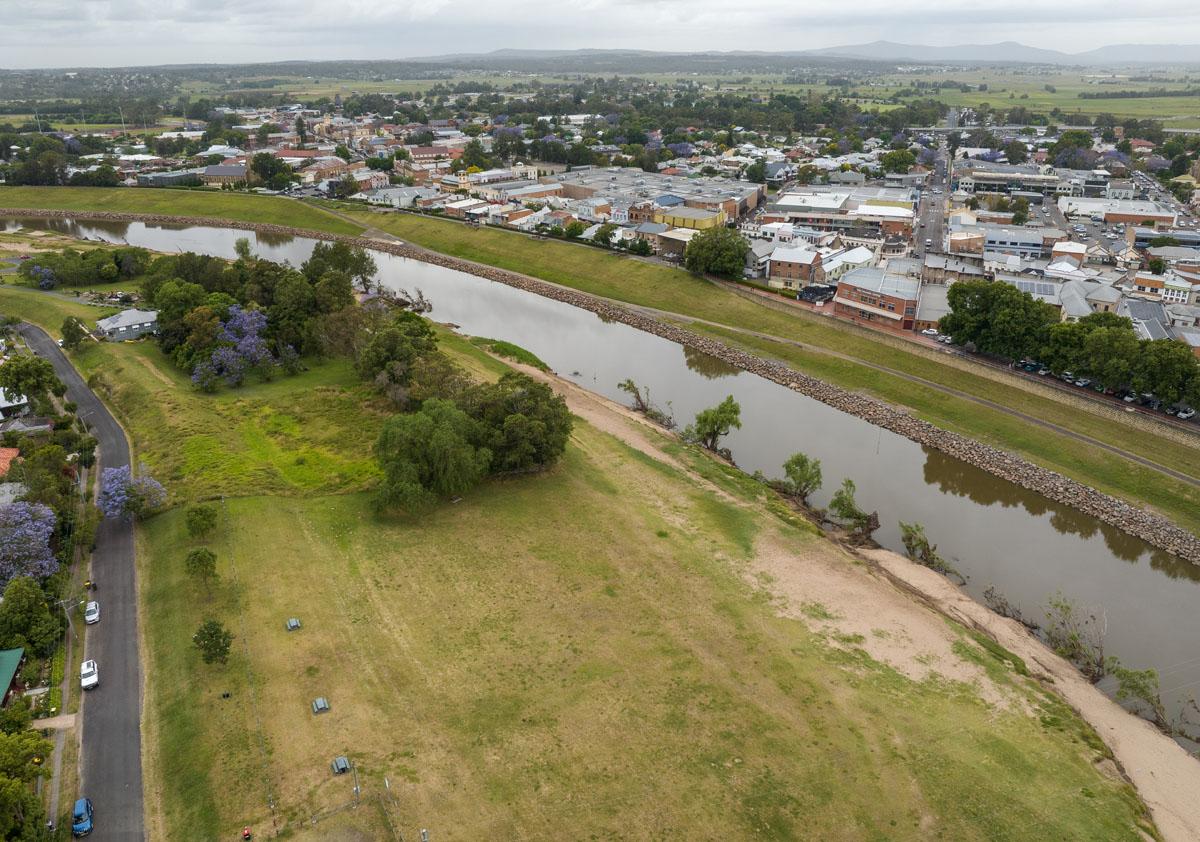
column 1129, row 212
column 793, row 267
column 864, row 214
column 632, row 186
column 877, row 297
column 980, row 177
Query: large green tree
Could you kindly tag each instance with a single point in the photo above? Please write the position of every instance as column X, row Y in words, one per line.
column 997, row 318
column 428, row 454
column 30, row 376
column 524, row 424
column 1167, row 368
column 718, row 251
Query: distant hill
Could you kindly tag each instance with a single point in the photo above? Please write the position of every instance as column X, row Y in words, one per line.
column 1015, row 52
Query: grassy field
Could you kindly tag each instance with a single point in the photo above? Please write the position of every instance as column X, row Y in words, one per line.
column 653, row 285
column 571, row 655
column 244, row 207
column 481, row 658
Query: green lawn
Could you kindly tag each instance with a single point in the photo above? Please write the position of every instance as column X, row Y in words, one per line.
column 569, row 655
column 244, row 207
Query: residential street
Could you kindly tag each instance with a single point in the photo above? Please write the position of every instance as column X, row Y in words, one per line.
column 111, row 760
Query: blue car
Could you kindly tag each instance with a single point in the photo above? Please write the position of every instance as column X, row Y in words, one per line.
column 81, row 817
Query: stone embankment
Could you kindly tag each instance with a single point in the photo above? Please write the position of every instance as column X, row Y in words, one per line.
column 1147, row 525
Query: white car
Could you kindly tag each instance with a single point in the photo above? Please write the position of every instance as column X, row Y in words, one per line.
column 91, row 613
column 929, row 331
column 89, row 675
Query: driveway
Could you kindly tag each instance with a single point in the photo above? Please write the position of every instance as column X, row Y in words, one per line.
column 111, row 760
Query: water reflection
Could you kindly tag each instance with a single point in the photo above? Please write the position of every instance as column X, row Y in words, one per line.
column 706, row 365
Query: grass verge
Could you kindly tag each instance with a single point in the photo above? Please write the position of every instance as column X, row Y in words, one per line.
column 244, row 207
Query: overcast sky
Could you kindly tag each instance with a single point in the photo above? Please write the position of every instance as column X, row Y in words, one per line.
column 77, row 33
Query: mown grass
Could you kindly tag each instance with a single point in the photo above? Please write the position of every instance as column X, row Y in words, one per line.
column 245, row 207
column 572, row 654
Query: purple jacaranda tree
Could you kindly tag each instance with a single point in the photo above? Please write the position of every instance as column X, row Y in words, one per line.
column 25, row 531
column 122, row 493
column 242, row 349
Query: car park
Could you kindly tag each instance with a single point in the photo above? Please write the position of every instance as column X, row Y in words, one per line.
column 81, row 817
column 91, row 613
column 89, row 675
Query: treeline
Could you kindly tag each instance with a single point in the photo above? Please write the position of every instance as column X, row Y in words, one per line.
column 995, row 318
column 1153, row 92
column 71, row 268
column 222, row 321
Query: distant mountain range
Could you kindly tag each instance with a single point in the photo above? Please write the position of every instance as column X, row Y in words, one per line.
column 1013, row 51
column 881, row 51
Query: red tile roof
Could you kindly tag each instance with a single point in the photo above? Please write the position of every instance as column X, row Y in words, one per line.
column 8, row 455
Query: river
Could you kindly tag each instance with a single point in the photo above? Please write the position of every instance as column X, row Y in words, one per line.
column 995, row 533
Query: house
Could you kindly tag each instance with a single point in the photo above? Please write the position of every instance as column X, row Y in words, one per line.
column 878, row 298
column 128, row 324
column 10, row 662
column 26, row 425
column 11, row 405
column 8, row 455
column 758, row 258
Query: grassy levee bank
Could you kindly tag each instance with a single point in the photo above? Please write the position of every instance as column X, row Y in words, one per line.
column 591, row 651
column 243, row 207
column 1098, row 468
column 665, row 288
column 570, row 655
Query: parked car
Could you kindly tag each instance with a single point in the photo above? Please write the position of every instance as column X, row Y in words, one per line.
column 929, row 331
column 89, row 675
column 1067, row 377
column 91, row 613
column 81, row 817
column 1043, row 371
column 1185, row 413
column 1083, row 382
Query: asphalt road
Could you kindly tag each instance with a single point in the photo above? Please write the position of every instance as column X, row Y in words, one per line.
column 111, row 761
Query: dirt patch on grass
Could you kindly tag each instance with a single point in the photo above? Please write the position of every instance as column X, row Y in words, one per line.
column 1166, row 776
column 838, row 596
column 900, row 621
